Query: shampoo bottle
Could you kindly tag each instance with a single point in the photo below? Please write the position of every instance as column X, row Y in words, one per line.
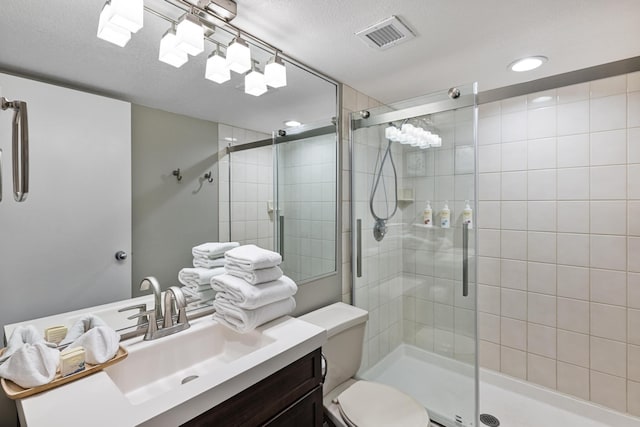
column 445, row 216
column 427, row 215
column 467, row 215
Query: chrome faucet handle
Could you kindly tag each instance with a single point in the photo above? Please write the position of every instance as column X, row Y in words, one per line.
column 141, row 308
column 174, row 300
column 153, row 324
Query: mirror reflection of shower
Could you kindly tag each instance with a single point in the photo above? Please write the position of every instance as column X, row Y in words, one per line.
column 418, row 134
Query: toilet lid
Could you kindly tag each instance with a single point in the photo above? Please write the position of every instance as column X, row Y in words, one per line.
column 369, row 404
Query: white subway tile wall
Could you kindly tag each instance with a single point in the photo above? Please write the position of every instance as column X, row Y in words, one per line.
column 559, row 197
column 243, row 205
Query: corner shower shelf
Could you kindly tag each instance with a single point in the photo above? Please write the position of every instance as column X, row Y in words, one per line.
column 405, row 195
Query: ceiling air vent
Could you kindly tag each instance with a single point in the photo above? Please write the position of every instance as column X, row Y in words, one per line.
column 386, row 34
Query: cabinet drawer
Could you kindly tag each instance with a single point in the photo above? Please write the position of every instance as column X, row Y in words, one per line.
column 267, row 398
column 307, row 412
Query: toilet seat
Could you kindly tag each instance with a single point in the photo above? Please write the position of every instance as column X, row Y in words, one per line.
column 369, row 404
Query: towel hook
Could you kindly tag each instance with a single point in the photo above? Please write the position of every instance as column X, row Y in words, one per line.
column 177, row 174
column 208, row 177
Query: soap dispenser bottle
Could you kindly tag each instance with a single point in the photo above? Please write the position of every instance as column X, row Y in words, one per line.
column 427, row 215
column 467, row 214
column 445, row 215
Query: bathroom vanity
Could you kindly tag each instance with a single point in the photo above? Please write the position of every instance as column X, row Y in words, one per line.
column 204, row 375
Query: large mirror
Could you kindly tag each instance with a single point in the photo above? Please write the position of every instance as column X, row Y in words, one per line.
column 110, row 127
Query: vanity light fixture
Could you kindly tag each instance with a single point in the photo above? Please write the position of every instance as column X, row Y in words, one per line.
column 187, row 35
column 109, row 31
column 127, row 14
column 216, row 69
column 254, row 83
column 275, row 73
column 527, row 64
column 239, row 56
column 190, row 34
column 169, row 51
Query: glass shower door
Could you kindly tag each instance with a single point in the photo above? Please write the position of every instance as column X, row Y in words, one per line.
column 305, row 207
column 414, row 271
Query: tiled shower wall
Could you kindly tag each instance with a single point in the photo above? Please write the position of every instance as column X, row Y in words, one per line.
column 559, row 248
column 307, row 187
column 243, row 205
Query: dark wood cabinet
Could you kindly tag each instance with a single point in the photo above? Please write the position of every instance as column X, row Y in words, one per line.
column 292, row 397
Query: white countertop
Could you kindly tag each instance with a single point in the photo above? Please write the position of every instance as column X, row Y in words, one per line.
column 96, row 400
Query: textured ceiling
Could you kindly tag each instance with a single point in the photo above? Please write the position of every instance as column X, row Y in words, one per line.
column 457, row 42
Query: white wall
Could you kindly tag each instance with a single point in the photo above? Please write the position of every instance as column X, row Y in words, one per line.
column 559, row 275
column 171, row 216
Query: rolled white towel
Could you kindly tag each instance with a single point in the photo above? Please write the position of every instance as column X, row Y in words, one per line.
column 203, row 262
column 100, row 341
column 29, row 360
column 254, row 276
column 246, row 295
column 252, row 257
column 243, row 320
column 194, row 277
column 213, row 250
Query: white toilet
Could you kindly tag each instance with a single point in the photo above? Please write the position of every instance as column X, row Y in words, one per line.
column 350, row 402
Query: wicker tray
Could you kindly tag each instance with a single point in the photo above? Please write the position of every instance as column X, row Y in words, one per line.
column 14, row 391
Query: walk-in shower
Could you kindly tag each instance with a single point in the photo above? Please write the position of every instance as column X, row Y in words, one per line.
column 421, row 334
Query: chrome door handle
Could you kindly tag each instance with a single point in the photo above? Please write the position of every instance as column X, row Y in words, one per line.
column 281, row 234
column 20, row 147
column 359, row 248
column 465, row 260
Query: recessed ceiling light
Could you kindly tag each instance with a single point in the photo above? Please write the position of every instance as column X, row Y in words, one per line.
column 292, row 123
column 542, row 99
column 527, row 64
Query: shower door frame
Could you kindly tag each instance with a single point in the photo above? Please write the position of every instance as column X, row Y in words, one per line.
column 365, row 119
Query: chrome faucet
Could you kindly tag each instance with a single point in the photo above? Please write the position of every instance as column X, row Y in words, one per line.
column 152, row 282
column 174, row 300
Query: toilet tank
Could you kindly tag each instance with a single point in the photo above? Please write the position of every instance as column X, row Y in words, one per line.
column 345, row 325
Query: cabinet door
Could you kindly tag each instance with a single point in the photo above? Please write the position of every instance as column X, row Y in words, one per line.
column 305, row 412
column 57, row 249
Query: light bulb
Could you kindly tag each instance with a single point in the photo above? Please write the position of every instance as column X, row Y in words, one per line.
column 169, row 51
column 254, row 83
column 127, row 14
column 110, row 32
column 216, row 69
column 239, row 56
column 275, row 73
column 190, row 35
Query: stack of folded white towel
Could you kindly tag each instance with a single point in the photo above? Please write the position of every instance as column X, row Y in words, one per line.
column 253, row 291
column 208, row 261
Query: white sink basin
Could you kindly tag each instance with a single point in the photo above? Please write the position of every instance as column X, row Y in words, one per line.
column 147, row 388
column 160, row 366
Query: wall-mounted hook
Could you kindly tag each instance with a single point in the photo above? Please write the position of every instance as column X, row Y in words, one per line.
column 177, row 174
column 208, row 177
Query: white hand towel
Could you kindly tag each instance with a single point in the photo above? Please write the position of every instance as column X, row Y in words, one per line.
column 204, row 295
column 100, row 342
column 242, row 320
column 213, row 250
column 194, row 277
column 254, row 276
column 29, row 360
column 203, row 262
column 251, row 257
column 244, row 295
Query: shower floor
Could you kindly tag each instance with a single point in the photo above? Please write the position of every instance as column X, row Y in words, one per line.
column 445, row 388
